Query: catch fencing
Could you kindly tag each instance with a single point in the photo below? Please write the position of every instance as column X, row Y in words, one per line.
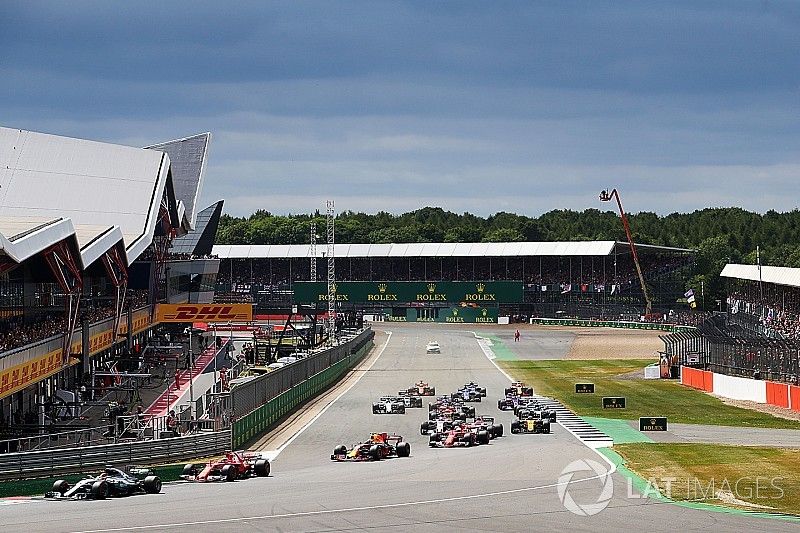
column 730, row 350
column 260, row 403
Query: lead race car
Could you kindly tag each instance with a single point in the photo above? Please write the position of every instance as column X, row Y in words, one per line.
column 232, row 466
column 379, row 446
column 420, row 388
column 111, row 482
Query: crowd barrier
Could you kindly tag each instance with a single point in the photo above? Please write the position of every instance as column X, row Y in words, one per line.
column 261, row 403
column 624, row 324
column 80, row 459
column 739, row 388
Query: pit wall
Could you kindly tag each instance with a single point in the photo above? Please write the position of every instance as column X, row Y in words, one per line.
column 737, row 388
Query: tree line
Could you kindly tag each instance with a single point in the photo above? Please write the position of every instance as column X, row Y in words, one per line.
column 719, row 235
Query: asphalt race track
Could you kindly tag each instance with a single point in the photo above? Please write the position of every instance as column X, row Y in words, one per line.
column 508, row 485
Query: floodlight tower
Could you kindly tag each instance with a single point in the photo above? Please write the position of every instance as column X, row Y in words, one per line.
column 331, row 275
column 313, row 250
column 606, row 196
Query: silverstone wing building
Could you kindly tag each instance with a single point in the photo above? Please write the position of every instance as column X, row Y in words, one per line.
column 83, row 224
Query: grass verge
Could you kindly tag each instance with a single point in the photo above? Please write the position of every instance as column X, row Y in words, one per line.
column 751, row 478
column 644, row 397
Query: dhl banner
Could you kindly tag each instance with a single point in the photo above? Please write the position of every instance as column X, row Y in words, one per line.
column 204, row 313
column 20, row 376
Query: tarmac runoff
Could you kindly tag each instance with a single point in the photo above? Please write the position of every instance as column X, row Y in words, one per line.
column 516, row 483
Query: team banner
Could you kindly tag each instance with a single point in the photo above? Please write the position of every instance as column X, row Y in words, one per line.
column 396, row 292
column 204, row 313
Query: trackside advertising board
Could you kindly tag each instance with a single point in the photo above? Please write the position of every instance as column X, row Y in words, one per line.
column 482, row 293
column 204, row 313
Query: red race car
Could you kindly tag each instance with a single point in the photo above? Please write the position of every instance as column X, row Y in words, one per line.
column 232, row 466
column 379, row 446
column 459, row 437
column 519, row 388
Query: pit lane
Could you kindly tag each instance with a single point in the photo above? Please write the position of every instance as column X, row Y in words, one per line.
column 509, row 485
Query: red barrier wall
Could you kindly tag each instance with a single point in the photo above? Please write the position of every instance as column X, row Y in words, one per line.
column 778, row 394
column 708, row 381
column 692, row 377
column 795, row 393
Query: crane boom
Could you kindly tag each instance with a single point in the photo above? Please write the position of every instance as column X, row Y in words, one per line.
column 605, row 196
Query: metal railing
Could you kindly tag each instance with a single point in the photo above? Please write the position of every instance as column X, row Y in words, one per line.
column 53, row 463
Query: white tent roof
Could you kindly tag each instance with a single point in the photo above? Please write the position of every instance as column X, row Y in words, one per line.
column 53, row 187
column 428, row 249
column 769, row 274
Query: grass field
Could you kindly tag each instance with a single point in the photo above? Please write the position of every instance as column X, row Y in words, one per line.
column 644, row 397
column 767, row 477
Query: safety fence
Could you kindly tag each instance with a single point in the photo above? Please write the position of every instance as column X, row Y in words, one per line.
column 726, row 349
column 261, row 403
column 624, row 324
column 52, row 463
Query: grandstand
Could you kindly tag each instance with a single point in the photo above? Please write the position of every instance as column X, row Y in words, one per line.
column 85, row 234
column 585, row 279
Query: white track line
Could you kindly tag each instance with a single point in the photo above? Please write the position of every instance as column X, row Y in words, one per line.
column 350, row 509
column 487, row 351
column 272, row 455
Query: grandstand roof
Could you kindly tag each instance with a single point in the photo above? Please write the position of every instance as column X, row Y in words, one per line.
column 54, row 187
column 187, row 162
column 428, row 249
column 768, row 274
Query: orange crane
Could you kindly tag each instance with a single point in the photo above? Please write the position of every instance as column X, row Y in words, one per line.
column 606, row 196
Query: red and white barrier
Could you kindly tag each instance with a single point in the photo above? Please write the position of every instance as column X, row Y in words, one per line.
column 736, row 388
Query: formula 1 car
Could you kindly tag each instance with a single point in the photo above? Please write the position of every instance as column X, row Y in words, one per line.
column 232, row 466
column 518, row 388
column 537, row 412
column 525, row 402
column 466, row 395
column 408, row 400
column 430, row 427
column 379, row 446
column 389, row 405
column 531, row 425
column 459, row 437
column 488, row 423
column 420, row 388
column 508, row 403
column 111, row 482
column 450, row 410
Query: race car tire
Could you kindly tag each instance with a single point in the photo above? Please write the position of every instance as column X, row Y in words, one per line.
column 228, row 472
column 99, row 490
column 402, row 410
column 483, row 437
column 498, row 430
column 423, row 428
column 509, row 391
column 340, row 450
column 375, row 452
column 403, row 449
column 189, row 469
column 528, row 391
column 152, row 484
column 515, row 427
column 432, row 391
column 261, row 468
column 61, row 486
column 500, row 405
column 477, row 398
column 375, row 410
column 435, row 437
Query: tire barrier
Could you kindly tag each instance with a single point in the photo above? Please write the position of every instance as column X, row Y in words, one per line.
column 261, row 403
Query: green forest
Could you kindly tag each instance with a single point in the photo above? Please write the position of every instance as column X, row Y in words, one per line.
column 719, row 235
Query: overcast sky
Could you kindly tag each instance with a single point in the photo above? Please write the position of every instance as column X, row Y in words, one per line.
column 470, row 106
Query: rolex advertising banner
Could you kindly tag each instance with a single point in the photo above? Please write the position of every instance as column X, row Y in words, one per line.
column 389, row 293
column 467, row 314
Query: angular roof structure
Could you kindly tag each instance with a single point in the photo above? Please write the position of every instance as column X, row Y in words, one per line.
column 430, row 249
column 200, row 240
column 98, row 194
column 188, row 160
